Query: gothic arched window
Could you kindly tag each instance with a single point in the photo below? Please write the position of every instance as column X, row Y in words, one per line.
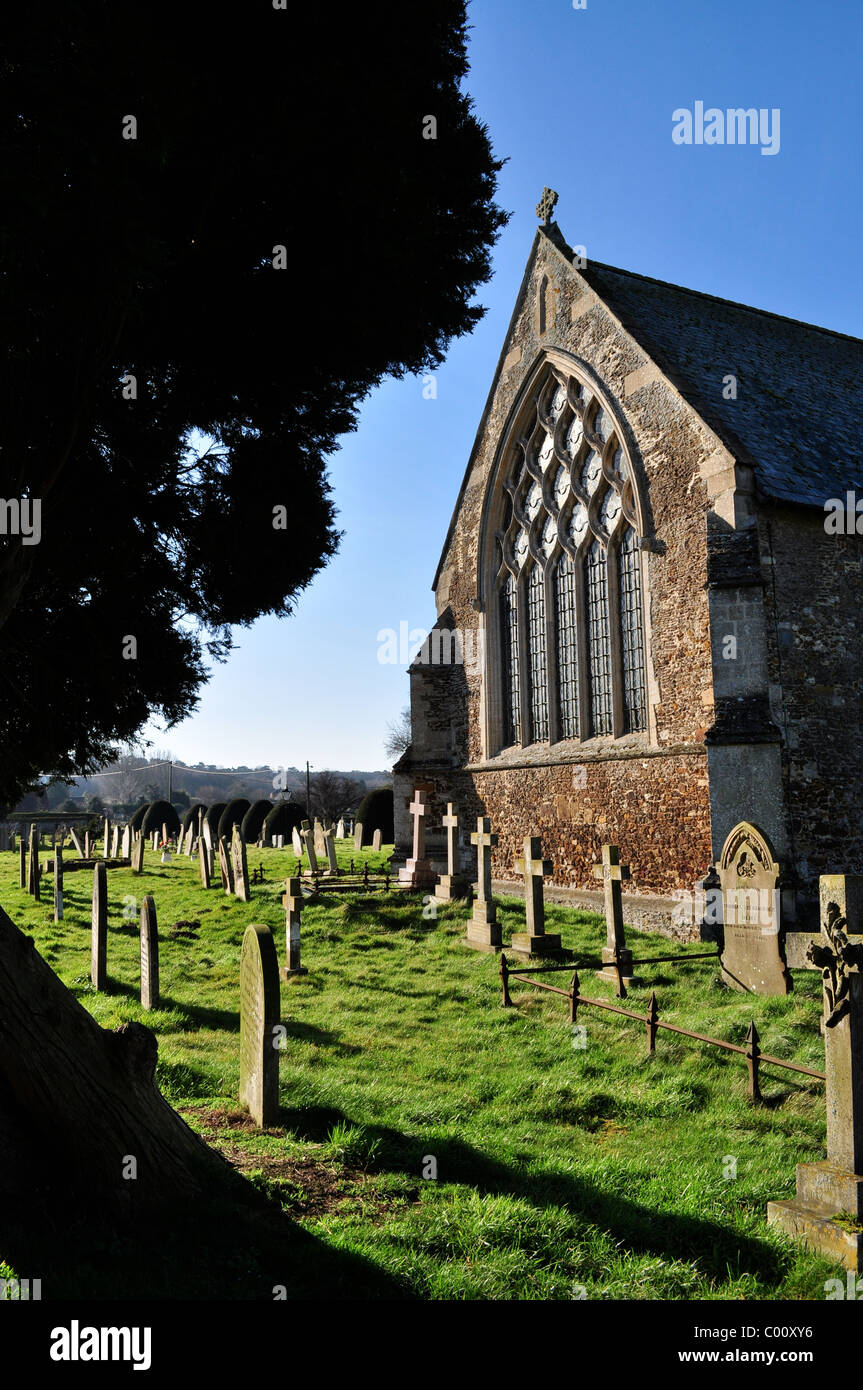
column 568, row 575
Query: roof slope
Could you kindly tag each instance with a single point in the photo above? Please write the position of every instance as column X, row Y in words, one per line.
column 798, row 416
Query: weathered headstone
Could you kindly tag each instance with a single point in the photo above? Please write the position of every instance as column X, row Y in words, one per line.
column 340, row 829
column 483, row 930
column 138, row 853
column 240, row 866
column 33, row 865
column 149, row 954
column 330, row 843
column 204, row 862
column 208, row 840
column 88, row 849
column 535, row 941
column 613, row 873
column 115, row 842
column 453, row 884
column 309, row 837
column 99, row 932
column 292, row 903
column 834, row 1189
column 126, row 847
column 418, row 872
column 22, row 864
column 155, row 839
column 296, row 842
column 376, row 840
column 76, row 842
column 225, row 868
column 259, row 1020
column 320, row 847
column 753, row 958
column 107, row 839
column 358, row 837
column 58, row 884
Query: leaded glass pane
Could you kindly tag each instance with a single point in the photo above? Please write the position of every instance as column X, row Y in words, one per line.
column 509, row 634
column 567, row 649
column 536, row 641
column 592, row 472
column 574, row 436
column 599, row 646
column 632, row 635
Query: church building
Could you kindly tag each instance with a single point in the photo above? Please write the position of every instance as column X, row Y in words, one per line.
column 648, row 599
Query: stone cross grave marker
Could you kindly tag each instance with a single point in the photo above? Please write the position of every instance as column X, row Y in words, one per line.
column 225, row 868
column 483, row 931
column 613, row 873
column 330, row 842
column 259, row 1019
column 292, row 903
column 453, row 884
column 834, row 1188
column 149, row 954
column 99, row 928
column 340, row 829
column 418, row 872
column 376, row 839
column 240, row 866
column 204, row 862
column 58, row 884
column 358, row 837
column 753, row 959
column 535, row 941
column 22, row 864
column 309, row 836
column 296, row 842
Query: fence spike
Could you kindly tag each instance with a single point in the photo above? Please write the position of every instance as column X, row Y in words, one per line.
column 652, row 1019
column 505, row 1001
column 753, row 1054
column 573, row 1001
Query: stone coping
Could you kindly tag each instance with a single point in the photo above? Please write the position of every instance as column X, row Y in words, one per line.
column 576, row 755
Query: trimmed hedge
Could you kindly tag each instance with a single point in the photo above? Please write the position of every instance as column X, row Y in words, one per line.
column 213, row 816
column 232, row 815
column 160, row 813
column 376, row 813
column 254, row 819
column 137, row 816
column 283, row 817
column 191, row 816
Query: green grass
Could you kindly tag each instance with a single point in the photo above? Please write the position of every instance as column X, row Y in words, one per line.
column 560, row 1170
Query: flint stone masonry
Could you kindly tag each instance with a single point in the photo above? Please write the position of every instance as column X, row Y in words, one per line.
column 259, row 1018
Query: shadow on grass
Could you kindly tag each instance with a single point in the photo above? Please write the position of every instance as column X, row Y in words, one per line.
column 641, row 1229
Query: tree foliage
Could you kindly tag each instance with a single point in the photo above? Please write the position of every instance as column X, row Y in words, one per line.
column 254, row 819
column 376, row 813
column 232, row 815
column 153, row 258
column 160, row 813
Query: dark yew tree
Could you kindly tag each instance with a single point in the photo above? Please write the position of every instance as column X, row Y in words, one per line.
column 141, row 302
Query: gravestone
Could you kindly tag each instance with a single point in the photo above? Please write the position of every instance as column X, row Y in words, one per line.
column 259, row 1019
column 453, row 884
column 107, row 839
column 240, row 866
column 296, row 842
column 225, row 868
column 22, row 864
column 340, row 829
column 834, row 1188
column 418, row 872
column 88, row 850
column 58, row 884
column 126, row 847
column 292, row 903
column 99, row 930
column 155, row 839
column 208, row 840
column 376, row 840
column 115, row 842
column 33, row 865
column 309, row 835
column 753, row 959
column 204, row 862
column 76, row 842
column 320, row 846
column 535, row 941
column 138, row 853
column 330, row 842
column 613, row 873
column 483, row 930
column 358, row 837
column 149, row 954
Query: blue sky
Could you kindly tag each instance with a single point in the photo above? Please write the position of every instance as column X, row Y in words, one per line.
column 581, row 100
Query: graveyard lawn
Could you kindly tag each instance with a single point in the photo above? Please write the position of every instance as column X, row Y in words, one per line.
column 562, row 1171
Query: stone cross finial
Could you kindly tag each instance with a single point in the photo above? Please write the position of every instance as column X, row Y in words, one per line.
column 485, row 840
column 417, row 809
column 546, row 205
column 450, row 822
column 612, row 872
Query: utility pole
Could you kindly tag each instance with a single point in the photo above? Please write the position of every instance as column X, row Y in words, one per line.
column 170, row 780
column 308, row 794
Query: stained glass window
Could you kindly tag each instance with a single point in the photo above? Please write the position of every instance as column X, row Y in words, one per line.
column 509, row 631
column 631, row 634
column 536, row 647
column 567, row 647
column 599, row 645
